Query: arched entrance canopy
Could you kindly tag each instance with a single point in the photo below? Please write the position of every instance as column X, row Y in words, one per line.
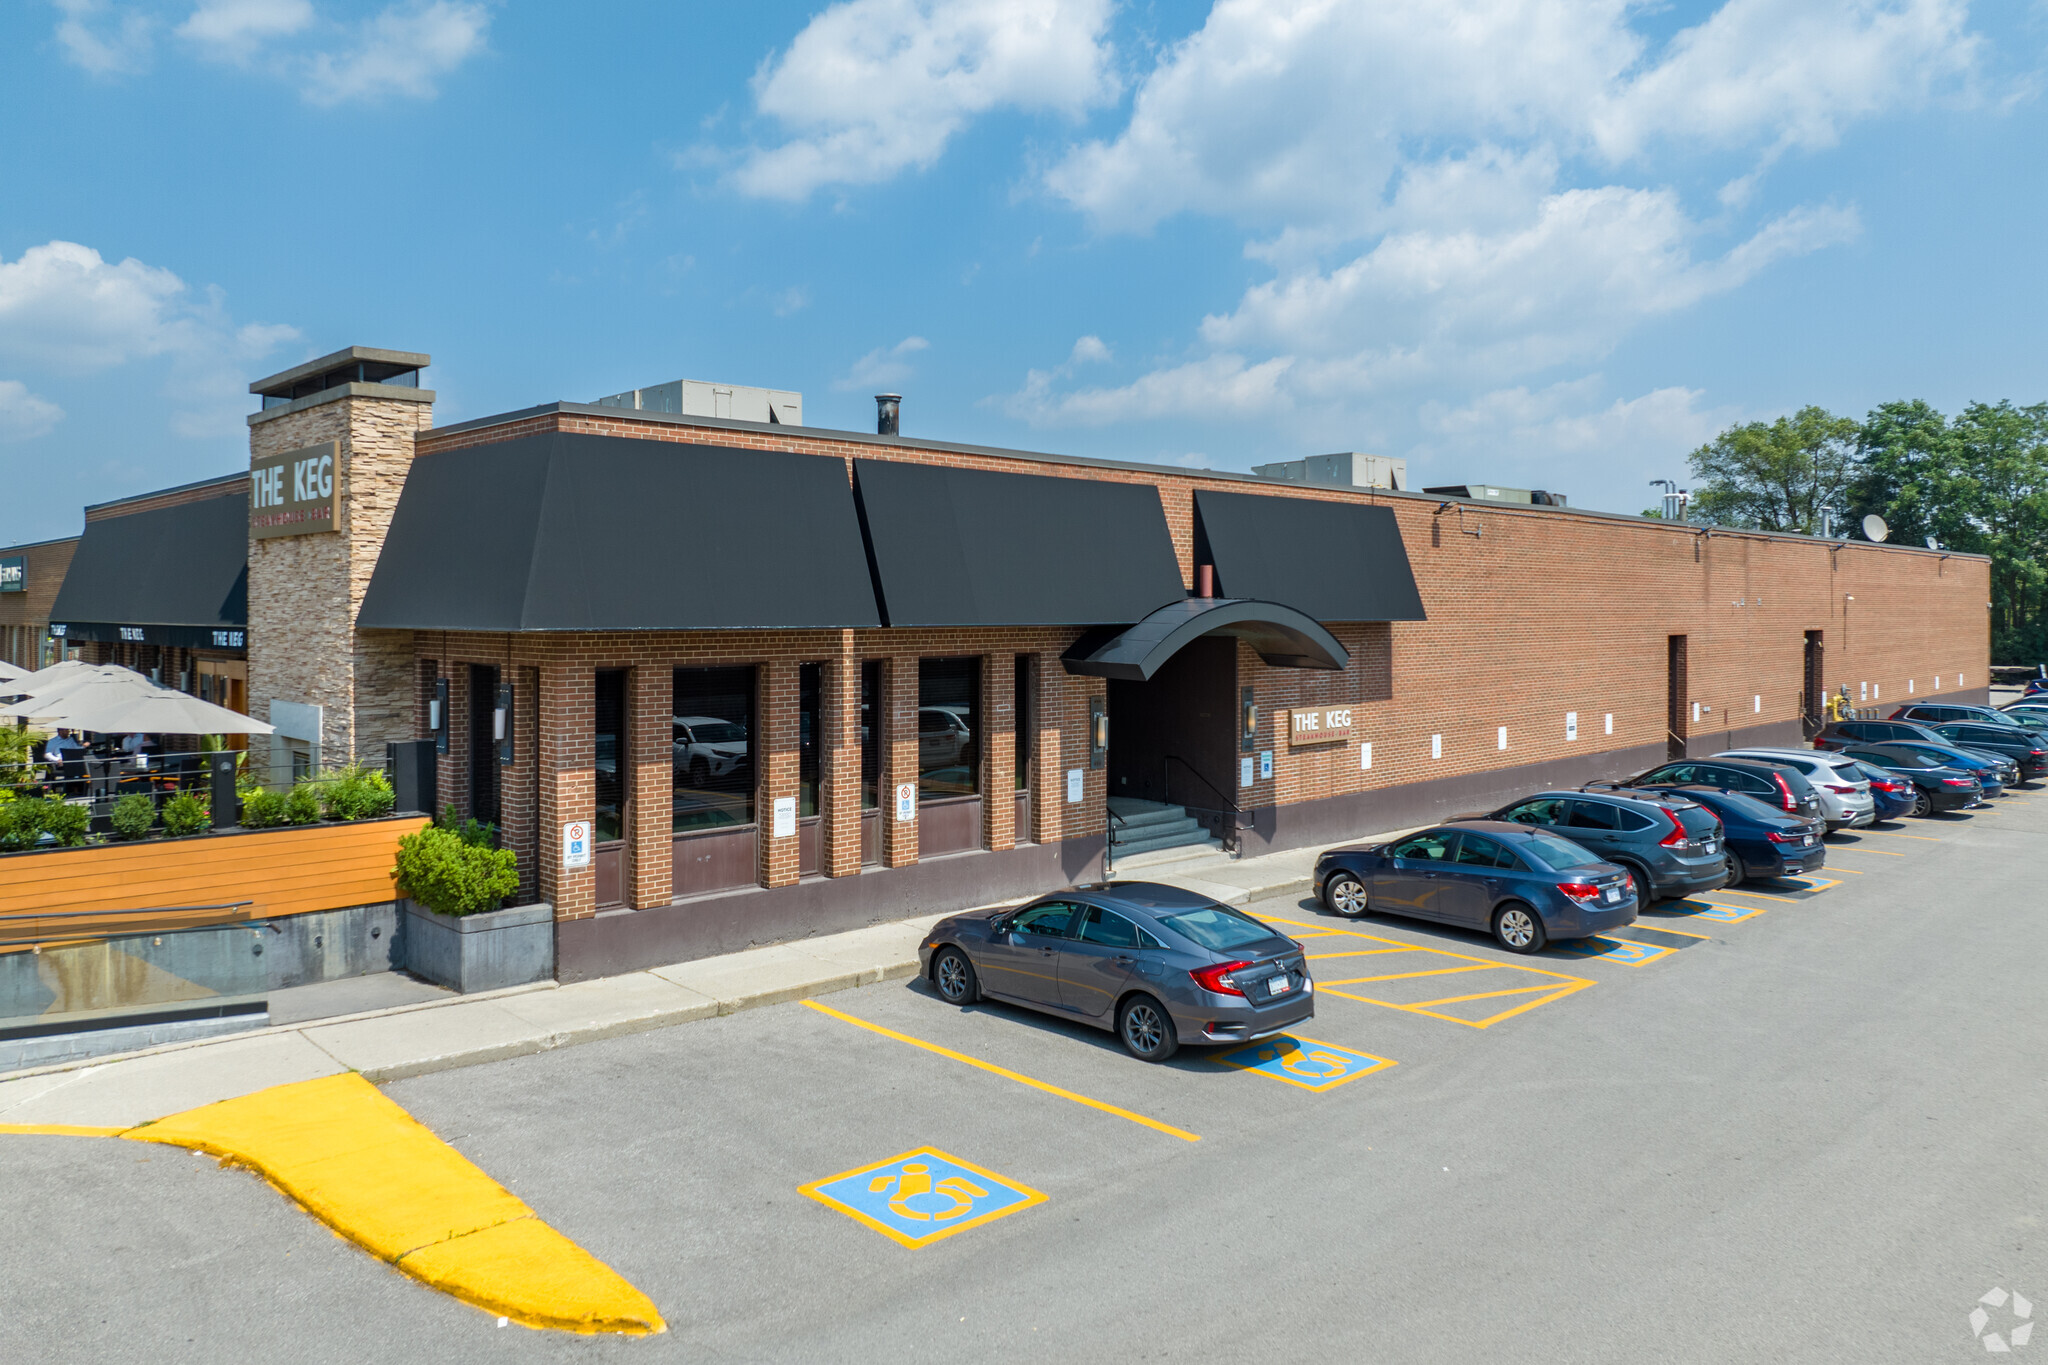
column 1284, row 638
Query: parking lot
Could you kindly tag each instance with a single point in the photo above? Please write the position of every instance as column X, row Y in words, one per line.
column 1794, row 1121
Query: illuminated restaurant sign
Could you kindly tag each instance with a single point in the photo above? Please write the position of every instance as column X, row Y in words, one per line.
column 14, row 573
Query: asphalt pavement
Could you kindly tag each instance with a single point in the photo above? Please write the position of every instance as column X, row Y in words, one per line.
column 1800, row 1122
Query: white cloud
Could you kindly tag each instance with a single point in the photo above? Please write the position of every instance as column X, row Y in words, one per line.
column 871, row 88
column 65, row 309
column 402, row 51
column 233, row 30
column 791, row 300
column 1221, row 386
column 1088, row 350
column 22, row 414
column 1307, row 112
column 118, row 46
column 883, row 366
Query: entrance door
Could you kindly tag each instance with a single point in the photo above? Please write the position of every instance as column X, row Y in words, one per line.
column 483, row 743
column 1676, row 693
column 1173, row 739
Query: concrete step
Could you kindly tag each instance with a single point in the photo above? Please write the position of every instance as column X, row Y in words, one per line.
column 1161, row 863
column 1195, row 839
column 1147, row 816
column 1187, row 828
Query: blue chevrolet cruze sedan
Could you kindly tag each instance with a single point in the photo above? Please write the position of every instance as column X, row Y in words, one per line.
column 1527, row 887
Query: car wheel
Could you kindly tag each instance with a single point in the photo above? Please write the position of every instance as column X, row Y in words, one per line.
column 1517, row 928
column 1147, row 1029
column 1646, row 890
column 954, row 976
column 1346, row 895
column 1923, row 804
column 1738, row 871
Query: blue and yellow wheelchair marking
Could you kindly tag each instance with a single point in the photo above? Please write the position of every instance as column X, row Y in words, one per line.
column 1304, row 1062
column 922, row 1196
column 1626, row 952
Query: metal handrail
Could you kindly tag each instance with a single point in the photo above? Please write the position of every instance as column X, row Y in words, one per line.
column 1167, row 774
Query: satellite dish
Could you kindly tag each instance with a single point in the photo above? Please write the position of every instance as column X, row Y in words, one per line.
column 1931, row 545
column 1874, row 527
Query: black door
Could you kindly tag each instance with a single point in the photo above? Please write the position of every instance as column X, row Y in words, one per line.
column 483, row 743
column 1174, row 738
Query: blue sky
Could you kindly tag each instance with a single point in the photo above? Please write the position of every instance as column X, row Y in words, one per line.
column 1538, row 243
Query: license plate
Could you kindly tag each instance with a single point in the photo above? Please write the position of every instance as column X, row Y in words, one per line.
column 1279, row 985
column 1713, row 845
column 1610, row 895
column 1809, row 841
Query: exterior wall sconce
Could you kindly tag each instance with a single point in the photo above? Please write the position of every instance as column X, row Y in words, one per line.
column 437, row 716
column 1098, row 731
column 1248, row 729
column 501, row 724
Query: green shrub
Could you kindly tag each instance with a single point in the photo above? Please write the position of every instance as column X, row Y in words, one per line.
column 358, row 793
column 263, row 809
column 445, row 873
column 302, row 804
column 475, row 833
column 133, row 815
column 185, row 814
column 24, row 822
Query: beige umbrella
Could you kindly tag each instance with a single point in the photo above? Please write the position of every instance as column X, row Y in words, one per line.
column 54, row 704
column 161, row 712
column 54, row 674
column 9, row 672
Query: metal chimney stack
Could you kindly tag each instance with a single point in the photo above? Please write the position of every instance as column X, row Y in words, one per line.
column 888, row 409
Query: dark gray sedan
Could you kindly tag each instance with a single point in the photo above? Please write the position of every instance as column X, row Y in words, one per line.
column 1156, row 965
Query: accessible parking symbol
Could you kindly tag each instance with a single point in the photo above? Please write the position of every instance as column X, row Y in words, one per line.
column 1305, row 1062
column 921, row 1196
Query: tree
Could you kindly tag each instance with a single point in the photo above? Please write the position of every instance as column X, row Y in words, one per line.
column 1776, row 476
column 1978, row 484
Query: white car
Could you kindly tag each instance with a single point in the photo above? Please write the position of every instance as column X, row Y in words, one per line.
column 1845, row 799
column 705, row 747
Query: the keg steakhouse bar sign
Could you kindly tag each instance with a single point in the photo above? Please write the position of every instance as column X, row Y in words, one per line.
column 295, row 494
column 1318, row 724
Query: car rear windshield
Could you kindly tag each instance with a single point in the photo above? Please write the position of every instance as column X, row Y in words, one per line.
column 1558, row 854
column 1219, row 928
column 1735, row 803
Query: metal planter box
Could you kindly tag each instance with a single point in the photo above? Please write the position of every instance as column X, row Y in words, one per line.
column 482, row 952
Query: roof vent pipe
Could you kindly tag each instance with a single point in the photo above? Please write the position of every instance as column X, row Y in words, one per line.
column 888, row 407
column 1205, row 580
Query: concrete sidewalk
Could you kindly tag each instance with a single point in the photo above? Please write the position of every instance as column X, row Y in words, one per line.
column 412, row 1040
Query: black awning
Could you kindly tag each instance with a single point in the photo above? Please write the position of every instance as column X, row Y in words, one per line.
column 1284, row 638
column 575, row 532
column 972, row 547
column 1336, row 561
column 184, row 566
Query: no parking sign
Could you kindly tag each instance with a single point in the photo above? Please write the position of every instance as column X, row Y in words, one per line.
column 576, row 844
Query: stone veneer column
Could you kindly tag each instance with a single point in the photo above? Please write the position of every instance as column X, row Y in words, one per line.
column 305, row 591
column 777, row 773
column 839, row 761
column 999, row 750
column 651, row 841
column 899, row 757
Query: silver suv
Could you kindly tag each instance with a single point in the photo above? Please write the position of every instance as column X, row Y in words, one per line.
column 1845, row 799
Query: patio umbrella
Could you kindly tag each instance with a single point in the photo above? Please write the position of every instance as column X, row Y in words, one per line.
column 161, row 712
column 53, row 704
column 55, row 673
column 9, row 672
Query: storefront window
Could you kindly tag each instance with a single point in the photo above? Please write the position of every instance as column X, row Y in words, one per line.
column 948, row 727
column 610, row 822
column 809, row 678
column 870, row 733
column 712, row 730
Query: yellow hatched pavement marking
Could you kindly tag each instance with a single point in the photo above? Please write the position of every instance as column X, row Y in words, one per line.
column 1565, row 985
column 1006, row 1073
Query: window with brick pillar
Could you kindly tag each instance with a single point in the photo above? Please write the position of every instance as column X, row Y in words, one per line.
column 650, row 838
column 567, row 783
column 899, row 759
column 455, row 763
column 520, row 827
column 775, row 771
column 999, row 751
column 839, row 761
column 1049, row 802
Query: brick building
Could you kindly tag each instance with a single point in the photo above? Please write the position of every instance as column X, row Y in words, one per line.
column 29, row 578
column 797, row 680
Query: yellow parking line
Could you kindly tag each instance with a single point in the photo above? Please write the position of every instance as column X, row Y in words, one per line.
column 1363, row 952
column 1567, row 984
column 1007, row 1074
column 1409, row 976
column 1890, row 834
column 1572, row 984
column 1482, row 995
column 1880, row 852
column 1850, row 870
column 1658, row 928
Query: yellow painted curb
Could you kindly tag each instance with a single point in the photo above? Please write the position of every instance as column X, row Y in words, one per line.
column 59, row 1130
column 377, row 1176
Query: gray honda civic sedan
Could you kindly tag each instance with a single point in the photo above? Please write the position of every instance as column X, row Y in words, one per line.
column 1156, row 965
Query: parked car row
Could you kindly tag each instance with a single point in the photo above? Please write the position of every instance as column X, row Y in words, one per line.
column 1160, row 966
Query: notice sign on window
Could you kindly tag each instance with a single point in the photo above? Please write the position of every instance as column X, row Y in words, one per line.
column 1073, row 786
column 296, row 493
column 1318, row 725
column 785, row 816
column 576, row 844
column 906, row 801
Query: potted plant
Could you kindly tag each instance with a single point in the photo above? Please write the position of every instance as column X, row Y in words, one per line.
column 455, row 934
